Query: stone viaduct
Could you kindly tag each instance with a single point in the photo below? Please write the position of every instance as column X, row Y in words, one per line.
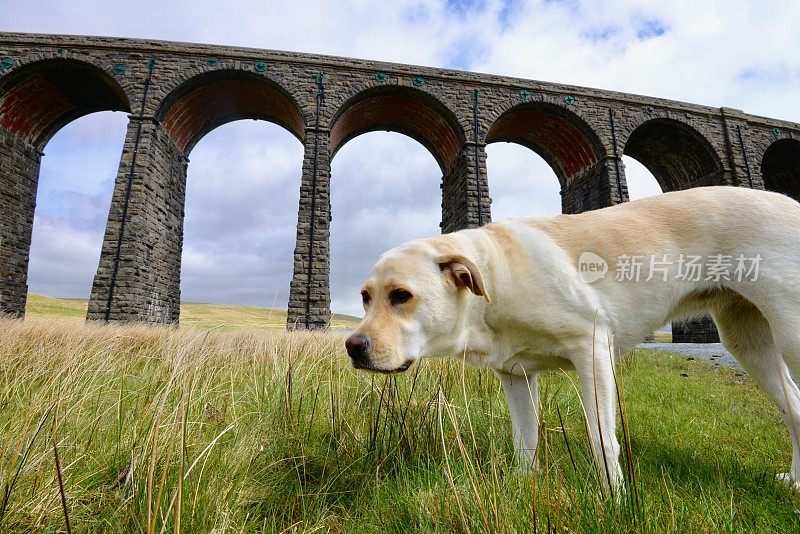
column 175, row 93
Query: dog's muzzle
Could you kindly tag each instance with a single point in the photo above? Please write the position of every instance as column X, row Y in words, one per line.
column 358, row 347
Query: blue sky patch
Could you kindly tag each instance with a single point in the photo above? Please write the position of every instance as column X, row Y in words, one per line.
column 601, row 34
column 509, row 13
column 651, row 28
column 416, row 14
column 572, row 5
column 768, row 74
column 462, row 8
column 465, row 52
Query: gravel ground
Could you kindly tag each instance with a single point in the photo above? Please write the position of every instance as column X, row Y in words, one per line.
column 713, row 352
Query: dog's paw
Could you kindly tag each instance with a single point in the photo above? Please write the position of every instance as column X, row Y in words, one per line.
column 525, row 466
column 621, row 495
column 788, row 480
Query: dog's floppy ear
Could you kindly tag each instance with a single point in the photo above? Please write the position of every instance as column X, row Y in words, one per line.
column 464, row 273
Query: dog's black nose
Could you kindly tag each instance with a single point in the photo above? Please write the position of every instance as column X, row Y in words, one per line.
column 358, row 348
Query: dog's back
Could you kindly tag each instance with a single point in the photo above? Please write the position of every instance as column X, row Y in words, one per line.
column 727, row 221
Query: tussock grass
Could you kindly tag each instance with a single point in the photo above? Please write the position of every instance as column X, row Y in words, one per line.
column 124, row 429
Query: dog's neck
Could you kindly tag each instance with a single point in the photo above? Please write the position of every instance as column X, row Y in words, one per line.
column 473, row 335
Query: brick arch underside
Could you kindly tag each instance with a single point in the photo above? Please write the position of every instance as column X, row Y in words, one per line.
column 211, row 100
column 780, row 167
column 562, row 140
column 404, row 112
column 40, row 98
column 678, row 156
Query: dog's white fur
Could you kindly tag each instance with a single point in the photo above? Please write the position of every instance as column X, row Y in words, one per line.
column 509, row 296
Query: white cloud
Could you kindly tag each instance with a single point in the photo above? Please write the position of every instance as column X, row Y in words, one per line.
column 385, row 190
column 243, row 188
column 520, row 182
column 74, row 193
column 244, row 177
column 640, row 182
column 63, row 259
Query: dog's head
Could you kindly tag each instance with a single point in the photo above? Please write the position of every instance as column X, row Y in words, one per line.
column 414, row 301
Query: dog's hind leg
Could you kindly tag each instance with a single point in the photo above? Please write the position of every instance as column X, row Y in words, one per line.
column 786, row 334
column 522, row 395
column 747, row 334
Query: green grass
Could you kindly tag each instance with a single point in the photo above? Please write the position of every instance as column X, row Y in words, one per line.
column 195, row 315
column 157, row 429
column 44, row 306
column 662, row 337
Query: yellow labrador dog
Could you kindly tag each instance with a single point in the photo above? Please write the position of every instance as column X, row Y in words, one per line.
column 574, row 291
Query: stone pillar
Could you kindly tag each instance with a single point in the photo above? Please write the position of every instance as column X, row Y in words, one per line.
column 741, row 166
column 594, row 187
column 702, row 330
column 19, row 177
column 143, row 275
column 462, row 204
column 309, row 293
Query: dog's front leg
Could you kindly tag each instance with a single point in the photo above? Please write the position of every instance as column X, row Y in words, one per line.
column 598, row 392
column 522, row 395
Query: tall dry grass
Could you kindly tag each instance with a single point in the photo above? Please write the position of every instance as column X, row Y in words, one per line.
column 138, row 415
column 123, row 428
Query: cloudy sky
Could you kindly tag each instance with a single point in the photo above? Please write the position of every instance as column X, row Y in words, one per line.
column 240, row 233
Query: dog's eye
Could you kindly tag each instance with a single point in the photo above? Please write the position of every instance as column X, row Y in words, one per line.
column 399, row 296
column 365, row 297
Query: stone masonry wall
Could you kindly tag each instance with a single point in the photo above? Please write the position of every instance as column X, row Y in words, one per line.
column 19, row 175
column 147, row 284
column 460, row 202
column 702, row 330
column 452, row 103
column 309, row 303
column 594, row 188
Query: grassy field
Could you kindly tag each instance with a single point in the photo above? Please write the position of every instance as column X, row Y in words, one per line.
column 124, row 429
column 195, row 315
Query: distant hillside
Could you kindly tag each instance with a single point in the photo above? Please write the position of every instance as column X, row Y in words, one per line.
column 193, row 314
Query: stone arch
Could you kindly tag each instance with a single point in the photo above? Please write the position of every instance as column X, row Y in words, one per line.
column 405, row 110
column 569, row 145
column 39, row 98
column 214, row 98
column 560, row 136
column 780, row 167
column 675, row 153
